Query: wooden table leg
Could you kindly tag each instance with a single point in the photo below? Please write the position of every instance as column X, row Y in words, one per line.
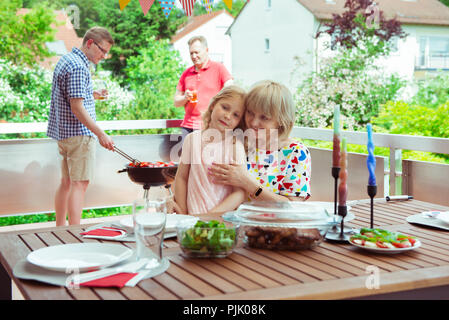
column 5, row 284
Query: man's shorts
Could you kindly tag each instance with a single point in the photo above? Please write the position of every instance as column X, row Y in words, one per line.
column 78, row 157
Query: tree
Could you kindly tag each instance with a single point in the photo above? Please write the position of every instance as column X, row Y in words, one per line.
column 132, row 30
column 153, row 74
column 87, row 14
column 351, row 78
column 358, row 28
column 23, row 37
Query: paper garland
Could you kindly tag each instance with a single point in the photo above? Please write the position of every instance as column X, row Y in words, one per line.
column 228, row 4
column 207, row 4
column 167, row 5
column 123, row 3
column 146, row 5
column 188, row 6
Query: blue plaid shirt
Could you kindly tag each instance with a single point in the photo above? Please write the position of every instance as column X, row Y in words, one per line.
column 71, row 79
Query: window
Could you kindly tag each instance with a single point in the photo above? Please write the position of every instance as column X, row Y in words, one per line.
column 267, row 45
column 268, row 4
column 433, row 52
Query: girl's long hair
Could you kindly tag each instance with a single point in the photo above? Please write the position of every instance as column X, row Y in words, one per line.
column 228, row 92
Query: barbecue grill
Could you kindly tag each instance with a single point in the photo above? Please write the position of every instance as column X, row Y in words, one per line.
column 148, row 176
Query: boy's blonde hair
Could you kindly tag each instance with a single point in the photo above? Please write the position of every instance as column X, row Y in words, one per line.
column 98, row 34
column 227, row 92
column 274, row 100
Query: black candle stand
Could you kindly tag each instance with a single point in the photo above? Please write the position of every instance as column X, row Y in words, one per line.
column 335, row 174
column 334, row 234
column 341, row 234
column 372, row 191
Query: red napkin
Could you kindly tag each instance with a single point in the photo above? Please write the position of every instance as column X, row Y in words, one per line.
column 103, row 232
column 116, row 280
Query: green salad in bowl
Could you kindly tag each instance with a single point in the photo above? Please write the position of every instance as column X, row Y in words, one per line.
column 212, row 239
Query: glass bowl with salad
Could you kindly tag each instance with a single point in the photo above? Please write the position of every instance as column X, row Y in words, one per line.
column 212, row 239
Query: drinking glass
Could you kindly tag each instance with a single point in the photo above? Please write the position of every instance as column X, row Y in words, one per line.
column 194, row 99
column 149, row 217
column 101, row 87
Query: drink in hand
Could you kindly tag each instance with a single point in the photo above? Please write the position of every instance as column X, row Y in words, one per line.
column 194, row 99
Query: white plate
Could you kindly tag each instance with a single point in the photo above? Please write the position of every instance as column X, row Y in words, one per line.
column 79, row 256
column 443, row 216
column 388, row 251
column 170, row 225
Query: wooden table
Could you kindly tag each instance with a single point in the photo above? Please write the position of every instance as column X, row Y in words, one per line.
column 329, row 271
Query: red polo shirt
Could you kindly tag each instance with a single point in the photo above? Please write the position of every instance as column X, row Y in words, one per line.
column 208, row 82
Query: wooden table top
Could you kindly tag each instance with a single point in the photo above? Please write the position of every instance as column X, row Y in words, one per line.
column 329, row 271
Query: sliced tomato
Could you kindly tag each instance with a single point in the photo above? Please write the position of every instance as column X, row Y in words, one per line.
column 380, row 244
column 400, row 244
column 412, row 241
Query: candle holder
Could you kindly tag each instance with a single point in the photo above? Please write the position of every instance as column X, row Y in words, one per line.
column 334, row 233
column 372, row 191
column 342, row 234
column 335, row 174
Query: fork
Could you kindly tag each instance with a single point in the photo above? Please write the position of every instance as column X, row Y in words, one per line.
column 131, row 267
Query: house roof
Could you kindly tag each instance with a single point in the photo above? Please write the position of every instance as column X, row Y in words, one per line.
column 195, row 22
column 64, row 32
column 427, row 12
column 430, row 12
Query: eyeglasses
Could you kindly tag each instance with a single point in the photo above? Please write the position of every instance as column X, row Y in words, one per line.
column 101, row 49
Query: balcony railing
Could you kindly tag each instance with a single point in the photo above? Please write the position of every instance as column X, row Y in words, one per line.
column 29, row 168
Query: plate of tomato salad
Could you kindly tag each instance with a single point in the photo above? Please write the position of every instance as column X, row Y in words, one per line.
column 384, row 241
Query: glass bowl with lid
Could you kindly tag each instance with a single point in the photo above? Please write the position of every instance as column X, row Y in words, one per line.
column 281, row 225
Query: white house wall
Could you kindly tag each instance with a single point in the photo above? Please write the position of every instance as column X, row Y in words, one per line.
column 220, row 45
column 404, row 61
column 290, row 29
column 401, row 62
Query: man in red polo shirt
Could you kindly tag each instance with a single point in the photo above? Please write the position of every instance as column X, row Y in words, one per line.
column 204, row 79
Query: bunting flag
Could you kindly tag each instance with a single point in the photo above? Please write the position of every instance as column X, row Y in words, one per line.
column 166, row 6
column 146, row 5
column 188, row 6
column 228, row 4
column 208, row 5
column 123, row 3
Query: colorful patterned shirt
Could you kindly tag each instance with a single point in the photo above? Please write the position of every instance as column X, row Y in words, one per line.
column 286, row 171
column 71, row 79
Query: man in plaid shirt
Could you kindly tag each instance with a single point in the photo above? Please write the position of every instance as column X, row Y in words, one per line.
column 72, row 122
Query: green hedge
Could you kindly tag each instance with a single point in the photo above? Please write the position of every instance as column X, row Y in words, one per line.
column 90, row 213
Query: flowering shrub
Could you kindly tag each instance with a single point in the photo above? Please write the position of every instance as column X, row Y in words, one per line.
column 358, row 92
column 119, row 99
column 350, row 79
column 433, row 91
column 24, row 93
